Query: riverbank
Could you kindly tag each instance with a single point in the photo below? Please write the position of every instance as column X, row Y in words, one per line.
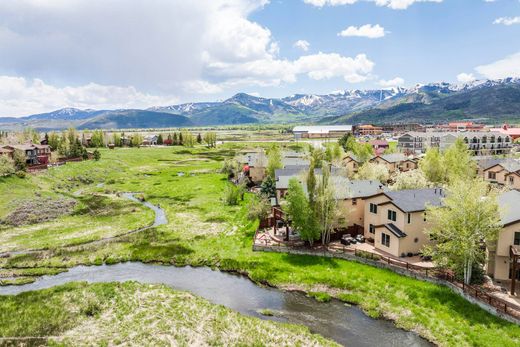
column 130, row 313
column 202, row 231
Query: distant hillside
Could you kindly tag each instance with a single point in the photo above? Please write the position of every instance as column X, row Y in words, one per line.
column 495, row 102
column 126, row 119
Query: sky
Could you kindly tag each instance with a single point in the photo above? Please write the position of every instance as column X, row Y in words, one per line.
column 109, row 54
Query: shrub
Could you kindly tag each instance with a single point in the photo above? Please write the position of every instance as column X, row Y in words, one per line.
column 97, row 155
column 231, row 195
column 259, row 208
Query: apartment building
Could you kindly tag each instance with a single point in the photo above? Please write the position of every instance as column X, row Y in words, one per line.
column 396, row 220
column 480, row 143
column 501, row 253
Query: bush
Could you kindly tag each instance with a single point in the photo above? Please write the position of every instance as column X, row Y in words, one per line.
column 6, row 166
column 231, row 195
column 259, row 208
column 97, row 155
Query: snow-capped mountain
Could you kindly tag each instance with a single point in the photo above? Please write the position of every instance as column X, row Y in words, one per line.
column 491, row 99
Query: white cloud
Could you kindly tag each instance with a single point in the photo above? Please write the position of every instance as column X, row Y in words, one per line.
column 393, row 4
column 507, row 20
column 465, row 77
column 367, row 30
column 302, row 44
column 19, row 97
column 395, row 82
column 507, row 67
column 174, row 47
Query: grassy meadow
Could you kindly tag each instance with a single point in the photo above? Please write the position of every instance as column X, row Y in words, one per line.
column 102, row 314
column 203, row 231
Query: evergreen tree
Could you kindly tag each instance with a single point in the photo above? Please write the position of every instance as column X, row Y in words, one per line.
column 181, row 140
column 175, row 141
column 199, row 139
column 160, row 140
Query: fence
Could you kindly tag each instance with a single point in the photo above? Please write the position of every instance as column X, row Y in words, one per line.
column 436, row 275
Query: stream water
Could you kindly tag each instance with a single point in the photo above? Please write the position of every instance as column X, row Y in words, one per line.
column 347, row 325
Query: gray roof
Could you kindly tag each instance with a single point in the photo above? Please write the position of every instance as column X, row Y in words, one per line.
column 395, row 230
column 321, row 129
column 414, row 200
column 295, row 161
column 509, row 211
column 283, row 176
column 353, row 189
column 487, row 162
column 394, row 157
column 510, row 165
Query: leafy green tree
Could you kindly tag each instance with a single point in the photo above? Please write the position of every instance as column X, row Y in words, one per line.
column 96, row 154
column 7, row 166
column 469, row 215
column 268, row 187
column 300, row 213
column 117, row 139
column 188, row 139
column 20, row 161
column 259, row 207
column 210, row 138
column 98, row 139
column 347, row 142
column 458, row 162
column 413, row 179
column 373, row 171
column 325, row 207
column 274, row 160
column 311, row 183
column 137, row 140
column 433, row 167
column 54, row 141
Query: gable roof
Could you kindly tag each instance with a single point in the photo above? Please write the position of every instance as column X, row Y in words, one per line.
column 509, row 211
column 353, row 189
column 392, row 158
column 415, row 200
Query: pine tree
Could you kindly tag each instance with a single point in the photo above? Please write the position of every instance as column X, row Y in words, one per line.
column 199, row 139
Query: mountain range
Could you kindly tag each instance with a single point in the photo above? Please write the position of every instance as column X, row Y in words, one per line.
column 491, row 101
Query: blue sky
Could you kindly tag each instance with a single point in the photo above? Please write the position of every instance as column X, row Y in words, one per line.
column 133, row 54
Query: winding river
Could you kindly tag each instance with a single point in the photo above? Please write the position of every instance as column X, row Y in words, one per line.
column 347, row 325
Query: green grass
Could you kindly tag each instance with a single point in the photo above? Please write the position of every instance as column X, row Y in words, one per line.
column 203, row 231
column 81, row 314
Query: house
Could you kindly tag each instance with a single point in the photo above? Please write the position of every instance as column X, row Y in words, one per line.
column 352, row 163
column 254, row 165
column 350, row 195
column 379, row 146
column 150, row 140
column 6, row 151
column 500, row 254
column 368, row 130
column 513, row 133
column 395, row 162
column 30, row 151
column 503, row 172
column 283, row 176
column 396, row 220
column 480, row 143
column 321, row 131
column 43, row 153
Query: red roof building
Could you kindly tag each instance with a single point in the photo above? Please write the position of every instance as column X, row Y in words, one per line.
column 514, row 133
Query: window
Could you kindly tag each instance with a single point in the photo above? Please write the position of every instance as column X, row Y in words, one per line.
column 424, row 217
column 511, row 180
column 392, row 215
column 373, row 208
column 372, row 229
column 385, row 239
column 354, row 201
column 492, row 175
column 409, row 218
column 516, row 241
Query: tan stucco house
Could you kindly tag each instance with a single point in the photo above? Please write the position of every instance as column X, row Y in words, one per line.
column 395, row 162
column 505, row 172
column 396, row 220
column 498, row 263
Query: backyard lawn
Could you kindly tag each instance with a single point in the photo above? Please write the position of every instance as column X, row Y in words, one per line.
column 203, row 231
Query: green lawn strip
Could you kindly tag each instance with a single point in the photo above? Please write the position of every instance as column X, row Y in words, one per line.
column 80, row 314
